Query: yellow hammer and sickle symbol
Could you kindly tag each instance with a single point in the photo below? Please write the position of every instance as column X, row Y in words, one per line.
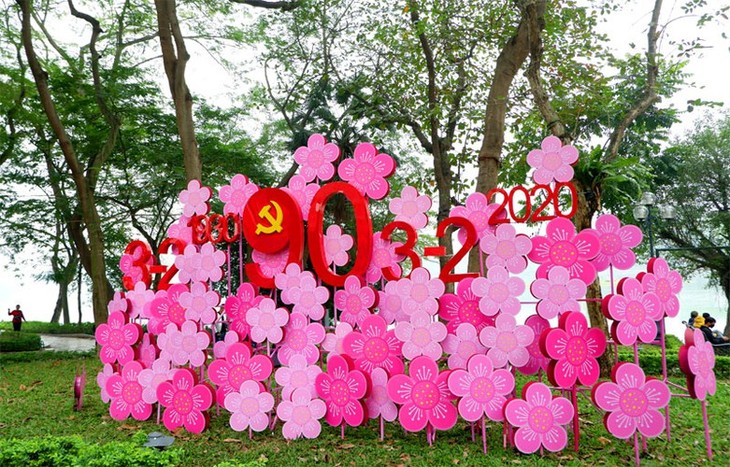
column 274, row 222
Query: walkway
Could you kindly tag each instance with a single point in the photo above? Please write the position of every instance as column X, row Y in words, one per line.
column 68, row 342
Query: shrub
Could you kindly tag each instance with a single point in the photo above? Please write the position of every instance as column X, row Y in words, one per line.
column 651, row 363
column 41, row 327
column 41, row 356
column 19, row 342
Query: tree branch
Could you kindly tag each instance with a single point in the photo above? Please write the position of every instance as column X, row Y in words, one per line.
column 283, row 6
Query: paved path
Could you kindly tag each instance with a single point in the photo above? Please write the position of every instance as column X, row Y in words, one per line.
column 75, row 342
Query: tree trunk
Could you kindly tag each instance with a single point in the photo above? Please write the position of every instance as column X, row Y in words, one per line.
column 725, row 284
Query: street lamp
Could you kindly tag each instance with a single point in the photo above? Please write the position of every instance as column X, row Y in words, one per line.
column 643, row 212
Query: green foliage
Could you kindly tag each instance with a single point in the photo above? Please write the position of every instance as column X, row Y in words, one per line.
column 650, row 359
column 36, row 356
column 40, row 327
column 11, row 341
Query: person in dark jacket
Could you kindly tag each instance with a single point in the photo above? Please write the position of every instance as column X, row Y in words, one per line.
column 710, row 336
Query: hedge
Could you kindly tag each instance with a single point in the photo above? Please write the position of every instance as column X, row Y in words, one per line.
column 45, row 355
column 19, row 342
column 41, row 327
column 651, row 363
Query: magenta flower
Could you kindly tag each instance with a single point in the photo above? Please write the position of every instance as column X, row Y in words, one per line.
column 126, row 394
column 411, row 208
column 238, row 305
column 635, row 312
column 462, row 308
column 195, row 199
column 308, row 298
column 333, row 342
column 506, row 248
column 574, row 347
column 116, row 339
column 199, row 303
column 539, row 417
column 270, row 265
column 558, row 293
column 367, row 171
column 150, row 378
column 420, row 292
column 664, row 282
column 553, row 161
column 424, row 396
column 342, row 389
column 390, row 304
column 378, row 402
column 181, row 230
column 236, row 195
column 355, row 301
column 498, row 292
column 336, row 246
column 118, row 303
column 383, row 256
column 266, row 321
column 562, row 247
column 185, row 401
column 302, row 193
column 421, row 336
column 288, row 279
column 374, row 347
column 478, row 211
column 632, row 402
column 301, row 338
column 507, row 342
column 166, row 309
column 482, row 390
column 697, row 361
column 299, row 374
column 211, row 261
column 615, row 243
column 188, row 264
column 316, row 158
column 238, row 366
column 250, row 407
column 301, row 415
column 537, row 360
column 183, row 346
column 462, row 345
column 138, row 298
column 221, row 347
column 101, row 378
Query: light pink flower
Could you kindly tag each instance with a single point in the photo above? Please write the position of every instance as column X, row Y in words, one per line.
column 221, row 347
column 664, row 282
column 553, row 161
column 462, row 345
column 333, row 342
column 575, row 347
column 697, row 361
column 138, row 298
column 184, row 346
column 616, row 243
column 200, row 303
column 131, row 274
column 420, row 292
column 635, row 312
column 421, row 336
column 211, row 261
column 342, row 389
column 188, row 264
column 301, row 338
column 181, row 230
column 238, row 366
column 152, row 377
column 116, row 339
column 308, row 298
column 355, row 301
column 558, row 293
column 336, row 246
column 288, row 279
column 390, row 303
column 238, row 305
column 147, row 351
column 126, row 394
column 195, row 199
column 478, row 211
column 367, row 171
column 301, row 415
column 250, row 407
column 482, row 390
column 498, row 292
column 270, row 265
column 101, row 378
column 166, row 309
column 383, row 256
column 236, row 195
column 537, row 360
column 374, row 347
column 507, row 342
column 379, row 404
column 506, row 248
column 118, row 303
column 315, row 159
column 302, row 193
column 299, row 374
column 185, row 401
column 266, row 321
column 462, row 308
column 410, row 207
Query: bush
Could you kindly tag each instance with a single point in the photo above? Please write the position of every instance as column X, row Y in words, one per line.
column 15, row 357
column 41, row 327
column 19, row 342
column 651, row 363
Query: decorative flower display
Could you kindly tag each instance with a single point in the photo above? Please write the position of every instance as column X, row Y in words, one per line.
column 342, row 389
column 270, row 265
column 166, row 309
column 236, row 195
column 221, row 347
column 367, row 171
column 250, row 407
column 138, row 298
column 101, row 378
column 383, row 256
column 635, row 312
column 664, row 282
column 420, row 293
column 181, row 230
column 506, row 248
column 411, row 208
column 336, row 246
column 150, row 378
column 308, row 298
column 574, row 347
column 211, row 261
column 462, row 344
column 478, row 211
column 316, row 158
column 237, row 307
column 354, row 301
column 116, row 339
column 537, row 360
column 299, row 374
column 390, row 304
column 288, row 279
column 185, row 401
column 553, row 161
column 632, row 402
column 378, row 402
column 424, row 396
column 498, row 292
column 507, row 342
column 146, row 353
column 131, row 272
column 118, row 303
column 238, row 366
column 462, row 307
column 195, row 199
column 188, row 264
column 302, row 193
column 421, row 336
column 539, row 417
column 482, row 390
column 558, row 293
column 184, row 346
column 126, row 394
column 301, row 338
column 697, row 361
column 562, row 247
column 615, row 243
column 374, row 347
column 301, row 415
column 334, row 342
column 266, row 321
column 199, row 303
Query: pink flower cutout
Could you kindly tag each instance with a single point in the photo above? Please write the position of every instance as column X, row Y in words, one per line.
column 266, row 321
column 250, row 407
column 411, row 208
column 301, row 415
column 181, row 230
column 188, row 264
column 238, row 366
column 185, row 401
column 507, row 342
column 221, row 347
column 390, row 304
column 378, row 402
column 299, row 374
column 421, row 336
column 334, row 342
column 199, row 303
column 367, row 171
column 616, row 243
column 195, row 199
column 420, row 293
column 211, row 261
column 308, row 298
column 166, row 309
column 498, row 292
column 150, row 378
column 138, row 298
column 424, row 396
column 506, row 248
column 558, row 293
column 462, row 307
column 184, row 346
column 289, row 278
column 374, row 347
column 355, row 301
column 632, row 402
column 478, row 211
column 302, row 193
column 315, row 159
column 482, row 390
column 697, row 361
column 462, row 345
column 147, row 351
column 342, row 389
column 383, row 256
column 336, row 246
column 237, row 307
column 664, row 282
column 539, row 417
column 118, row 303
column 270, row 265
column 126, row 394
column 562, row 247
column 537, row 360
column 236, row 195
column 301, row 338
column 101, row 378
column 635, row 312
column 116, row 339
column 574, row 348
column 553, row 161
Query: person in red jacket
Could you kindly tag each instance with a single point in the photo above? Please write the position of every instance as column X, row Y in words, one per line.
column 18, row 317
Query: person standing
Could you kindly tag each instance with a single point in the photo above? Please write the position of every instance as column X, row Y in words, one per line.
column 18, row 317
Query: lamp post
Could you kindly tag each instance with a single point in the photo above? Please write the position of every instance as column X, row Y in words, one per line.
column 643, row 212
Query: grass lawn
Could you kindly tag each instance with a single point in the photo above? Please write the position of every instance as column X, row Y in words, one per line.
column 36, row 400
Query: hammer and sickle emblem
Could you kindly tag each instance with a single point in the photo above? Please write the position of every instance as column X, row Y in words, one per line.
column 274, row 222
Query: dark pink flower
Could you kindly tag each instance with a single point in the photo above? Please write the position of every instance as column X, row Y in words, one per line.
column 166, row 309
column 116, row 339
column 478, row 211
column 664, row 282
column 126, row 394
column 185, row 401
column 482, row 390
column 374, row 347
column 238, row 305
column 343, row 390
column 616, row 243
column 462, row 308
column 237, row 367
column 367, row 171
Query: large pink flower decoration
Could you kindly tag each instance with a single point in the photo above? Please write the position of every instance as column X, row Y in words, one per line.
column 336, row 246
column 118, row 303
column 166, row 309
column 188, row 264
column 308, row 298
column 237, row 307
column 558, row 293
column 195, row 199
column 383, row 256
column 302, row 193
column 316, row 158
column 299, row 374
column 266, row 321
column 151, row 377
column 553, row 161
column 211, row 261
column 367, row 171
column 616, row 243
column 184, row 346
column 126, row 394
column 374, row 347
column 301, row 415
column 499, row 292
column 482, row 390
column 288, row 279
column 574, row 348
column 101, row 378
column 390, row 304
column 236, row 195
column 478, row 211
column 301, row 338
column 185, row 401
column 462, row 307
column 507, row 342
column 537, row 360
column 342, row 389
column 421, row 336
column 138, row 298
column 410, row 207
column 354, row 301
column 632, row 402
column 181, row 230
column 250, row 407
column 238, row 366
column 334, row 341
column 270, row 264
column 199, row 303
column 462, row 345
column 664, row 282
column 420, row 293
column 146, row 352
column 697, row 361
column 539, row 417
column 221, row 347
column 424, row 396
column 116, row 339
column 506, row 248
column 635, row 312
column 562, row 247
column 378, row 402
